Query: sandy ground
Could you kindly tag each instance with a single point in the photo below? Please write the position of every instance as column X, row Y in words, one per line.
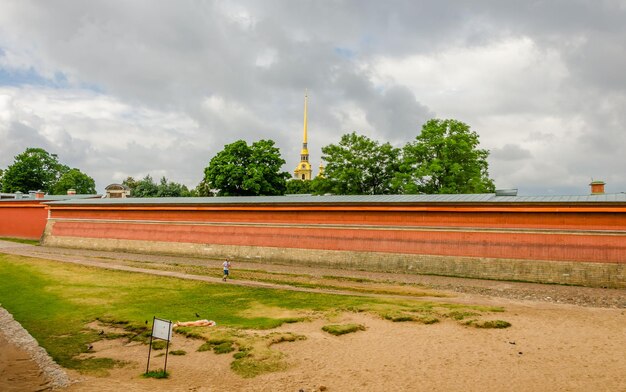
column 18, row 372
column 550, row 347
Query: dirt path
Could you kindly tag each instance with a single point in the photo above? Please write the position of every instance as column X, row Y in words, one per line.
column 18, row 371
column 550, row 347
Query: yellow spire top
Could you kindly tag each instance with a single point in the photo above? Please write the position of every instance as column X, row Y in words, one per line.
column 305, row 120
column 303, row 171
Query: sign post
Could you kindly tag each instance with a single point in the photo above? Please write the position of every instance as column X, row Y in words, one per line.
column 161, row 329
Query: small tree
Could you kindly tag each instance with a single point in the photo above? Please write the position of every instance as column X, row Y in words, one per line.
column 131, row 183
column 146, row 187
column 74, row 179
column 171, row 189
column 359, row 165
column 242, row 170
column 296, row 186
column 445, row 158
column 202, row 190
column 34, row 169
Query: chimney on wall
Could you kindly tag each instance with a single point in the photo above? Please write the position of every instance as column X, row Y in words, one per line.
column 71, row 191
column 39, row 195
column 597, row 187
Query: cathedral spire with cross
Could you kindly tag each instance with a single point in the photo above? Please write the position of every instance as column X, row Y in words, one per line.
column 303, row 170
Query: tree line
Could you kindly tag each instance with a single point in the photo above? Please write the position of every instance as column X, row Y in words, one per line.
column 443, row 158
column 36, row 169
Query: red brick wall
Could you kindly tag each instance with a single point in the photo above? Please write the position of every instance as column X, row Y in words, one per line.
column 22, row 219
column 558, row 233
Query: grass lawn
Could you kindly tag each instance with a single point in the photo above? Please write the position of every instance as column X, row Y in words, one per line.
column 55, row 301
column 357, row 285
column 20, row 240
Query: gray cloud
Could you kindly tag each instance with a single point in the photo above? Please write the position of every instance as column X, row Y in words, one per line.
column 510, row 152
column 160, row 89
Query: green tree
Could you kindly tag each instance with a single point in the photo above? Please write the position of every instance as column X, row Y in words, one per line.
column 358, row 165
column 74, row 179
column 202, row 190
column 131, row 183
column 445, row 158
column 1, row 172
column 242, row 170
column 295, row 187
column 146, row 187
column 171, row 189
column 34, row 169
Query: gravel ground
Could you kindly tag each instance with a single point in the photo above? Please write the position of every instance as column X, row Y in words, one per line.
column 576, row 295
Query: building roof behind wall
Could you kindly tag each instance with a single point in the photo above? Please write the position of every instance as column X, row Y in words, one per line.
column 488, row 198
column 47, row 198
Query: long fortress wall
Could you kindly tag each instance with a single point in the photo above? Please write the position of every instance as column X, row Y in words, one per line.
column 568, row 243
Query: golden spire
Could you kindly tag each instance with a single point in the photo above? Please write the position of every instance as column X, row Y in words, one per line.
column 303, row 171
column 304, row 143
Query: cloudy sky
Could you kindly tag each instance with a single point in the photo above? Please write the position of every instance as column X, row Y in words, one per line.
column 129, row 88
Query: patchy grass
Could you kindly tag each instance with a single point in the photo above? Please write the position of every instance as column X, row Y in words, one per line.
column 399, row 318
column 224, row 348
column 255, row 355
column 279, row 337
column 424, row 318
column 178, row 352
column 497, row 324
column 98, row 367
column 342, row 329
column 218, row 345
column 57, row 302
column 190, row 332
column 156, row 374
column 460, row 315
column 159, row 344
column 20, row 240
column 252, row 366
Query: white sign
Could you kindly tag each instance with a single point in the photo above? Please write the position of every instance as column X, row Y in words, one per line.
column 162, row 329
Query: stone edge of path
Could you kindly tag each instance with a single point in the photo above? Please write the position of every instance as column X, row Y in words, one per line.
column 16, row 334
